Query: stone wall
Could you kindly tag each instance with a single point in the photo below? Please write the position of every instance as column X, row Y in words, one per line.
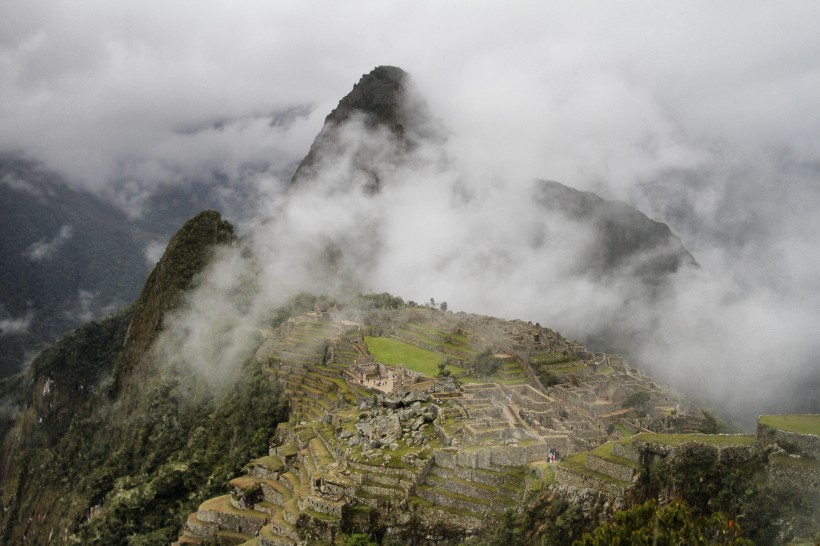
column 324, row 506
column 617, row 471
column 793, row 442
column 463, row 521
column 794, row 473
column 490, row 459
column 477, row 475
column 264, row 472
column 404, row 478
column 246, row 525
column 440, row 499
column 443, row 437
column 627, row 452
column 564, row 476
column 272, row 495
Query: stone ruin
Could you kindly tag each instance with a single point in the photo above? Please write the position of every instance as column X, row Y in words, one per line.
column 427, row 449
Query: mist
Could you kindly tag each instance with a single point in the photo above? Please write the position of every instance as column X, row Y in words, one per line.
column 703, row 117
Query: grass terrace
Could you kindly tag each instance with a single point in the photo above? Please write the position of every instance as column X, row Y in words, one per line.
column 542, row 475
column 806, row 423
column 604, row 451
column 798, row 462
column 468, row 379
column 223, row 504
column 718, row 440
column 397, row 353
column 625, row 432
column 549, row 358
column 578, row 463
column 271, row 462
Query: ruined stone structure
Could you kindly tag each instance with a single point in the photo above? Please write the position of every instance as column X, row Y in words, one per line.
column 425, row 448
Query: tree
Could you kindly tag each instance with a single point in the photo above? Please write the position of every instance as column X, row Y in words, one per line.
column 442, row 370
column 710, row 424
column 359, row 539
column 670, row 525
column 485, row 363
column 637, row 401
column 443, row 306
column 641, row 403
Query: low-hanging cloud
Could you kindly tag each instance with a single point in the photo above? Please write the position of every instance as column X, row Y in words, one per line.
column 47, row 247
column 439, row 228
column 16, row 325
column 714, row 132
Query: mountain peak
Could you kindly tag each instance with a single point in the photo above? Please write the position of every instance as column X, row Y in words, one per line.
column 383, row 99
column 378, row 95
column 187, row 254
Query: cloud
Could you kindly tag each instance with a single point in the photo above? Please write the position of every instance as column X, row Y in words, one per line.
column 153, row 252
column 18, row 184
column 83, row 311
column 703, row 116
column 20, row 325
column 45, row 248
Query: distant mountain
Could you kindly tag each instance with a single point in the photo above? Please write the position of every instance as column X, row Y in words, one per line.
column 383, row 118
column 382, row 100
column 66, row 257
column 627, row 240
column 93, row 413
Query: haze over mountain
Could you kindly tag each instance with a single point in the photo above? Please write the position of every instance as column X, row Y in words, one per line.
column 69, row 256
column 132, row 420
column 655, row 107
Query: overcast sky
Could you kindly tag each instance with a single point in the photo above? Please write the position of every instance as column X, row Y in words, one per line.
column 704, row 115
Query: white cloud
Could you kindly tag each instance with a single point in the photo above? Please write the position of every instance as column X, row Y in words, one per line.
column 83, row 309
column 703, row 115
column 20, row 325
column 45, row 248
column 18, row 184
column 153, row 252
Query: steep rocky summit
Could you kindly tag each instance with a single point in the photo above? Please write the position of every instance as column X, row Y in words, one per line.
column 383, row 103
column 187, row 253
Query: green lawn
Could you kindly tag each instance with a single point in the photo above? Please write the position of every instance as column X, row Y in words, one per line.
column 623, row 430
column 467, row 379
column 681, row 439
column 605, row 452
column 397, row 353
column 807, row 423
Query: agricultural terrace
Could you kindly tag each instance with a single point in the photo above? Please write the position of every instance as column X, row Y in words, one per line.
column 807, row 423
column 718, row 440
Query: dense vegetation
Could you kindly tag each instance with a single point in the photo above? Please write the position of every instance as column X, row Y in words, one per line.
column 110, row 447
column 132, row 479
column 700, row 493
